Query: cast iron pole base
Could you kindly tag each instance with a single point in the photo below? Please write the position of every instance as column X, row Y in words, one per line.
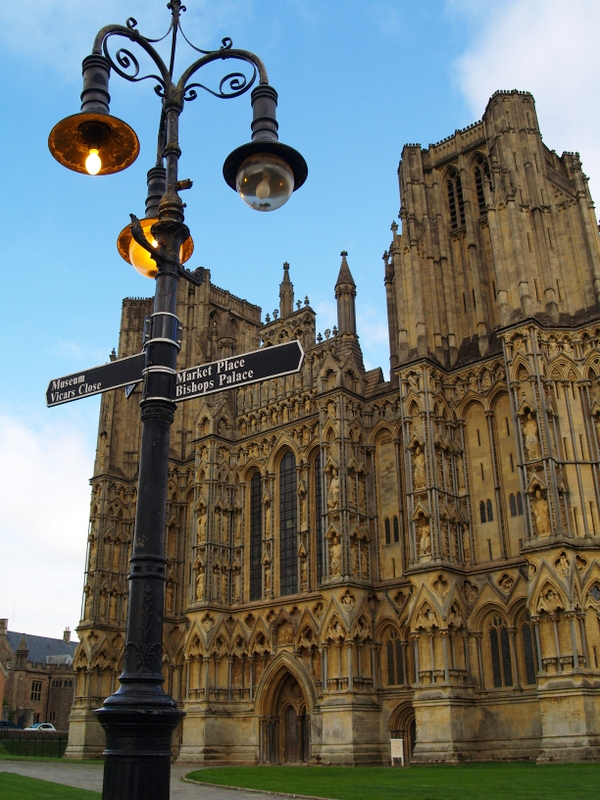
column 138, row 748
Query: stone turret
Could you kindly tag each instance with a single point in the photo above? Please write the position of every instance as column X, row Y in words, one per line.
column 286, row 293
column 345, row 294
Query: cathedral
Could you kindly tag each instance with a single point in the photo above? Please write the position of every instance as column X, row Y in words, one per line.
column 353, row 559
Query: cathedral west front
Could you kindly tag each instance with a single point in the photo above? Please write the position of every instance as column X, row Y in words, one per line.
column 351, row 558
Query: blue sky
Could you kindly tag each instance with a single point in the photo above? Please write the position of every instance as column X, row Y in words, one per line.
column 356, row 81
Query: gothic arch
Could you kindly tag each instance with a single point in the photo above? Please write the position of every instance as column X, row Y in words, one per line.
column 403, row 726
column 276, row 672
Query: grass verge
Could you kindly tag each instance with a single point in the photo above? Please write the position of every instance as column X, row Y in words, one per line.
column 516, row 781
column 18, row 787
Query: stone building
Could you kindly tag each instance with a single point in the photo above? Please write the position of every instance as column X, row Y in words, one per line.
column 39, row 681
column 351, row 558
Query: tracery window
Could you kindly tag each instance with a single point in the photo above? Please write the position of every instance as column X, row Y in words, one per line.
column 256, row 537
column 394, row 659
column 500, row 652
column 456, row 201
column 288, row 545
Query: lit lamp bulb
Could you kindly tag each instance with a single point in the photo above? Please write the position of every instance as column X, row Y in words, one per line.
column 139, row 258
column 93, row 164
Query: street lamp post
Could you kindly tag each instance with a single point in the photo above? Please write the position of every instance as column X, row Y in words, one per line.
column 139, row 718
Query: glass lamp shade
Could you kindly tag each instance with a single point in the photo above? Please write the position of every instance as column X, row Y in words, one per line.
column 139, row 257
column 265, row 181
column 94, row 144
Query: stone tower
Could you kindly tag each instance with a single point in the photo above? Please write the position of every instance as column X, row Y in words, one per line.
column 351, row 558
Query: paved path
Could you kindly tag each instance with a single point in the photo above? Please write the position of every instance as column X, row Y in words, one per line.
column 89, row 776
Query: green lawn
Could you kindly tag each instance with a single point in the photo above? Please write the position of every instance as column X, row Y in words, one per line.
column 511, row 781
column 17, row 787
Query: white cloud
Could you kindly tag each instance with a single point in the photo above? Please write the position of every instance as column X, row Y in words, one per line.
column 44, row 497
column 546, row 47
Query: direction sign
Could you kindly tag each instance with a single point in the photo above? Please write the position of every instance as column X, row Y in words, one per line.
column 239, row 370
column 227, row 373
column 122, row 372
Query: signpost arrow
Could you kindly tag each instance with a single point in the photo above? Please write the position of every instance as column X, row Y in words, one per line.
column 227, row 373
column 239, row 370
column 122, row 372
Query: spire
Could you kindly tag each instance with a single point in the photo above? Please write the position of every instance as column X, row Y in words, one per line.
column 345, row 292
column 286, row 293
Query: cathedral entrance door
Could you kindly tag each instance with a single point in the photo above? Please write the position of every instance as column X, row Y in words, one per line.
column 292, row 742
column 286, row 738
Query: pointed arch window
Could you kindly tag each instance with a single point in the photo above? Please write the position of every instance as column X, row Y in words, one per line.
column 388, row 535
column 456, row 202
column 394, row 659
column 396, row 529
column 288, row 545
column 500, row 652
column 516, row 504
column 256, row 536
column 486, row 511
column 528, row 650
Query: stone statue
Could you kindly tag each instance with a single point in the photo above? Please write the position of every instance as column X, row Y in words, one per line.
column 541, row 516
column 102, row 609
column 423, row 537
column 364, row 562
column 333, row 495
column 200, row 582
column 112, row 613
column 419, row 471
column 532, row 442
column 335, row 553
column 170, row 595
column 93, row 550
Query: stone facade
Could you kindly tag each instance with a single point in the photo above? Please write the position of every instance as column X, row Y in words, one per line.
column 351, row 559
column 39, row 680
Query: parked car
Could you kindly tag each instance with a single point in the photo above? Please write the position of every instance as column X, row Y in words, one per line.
column 6, row 723
column 41, row 726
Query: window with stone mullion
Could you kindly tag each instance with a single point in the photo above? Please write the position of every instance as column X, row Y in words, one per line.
column 288, row 546
column 256, row 536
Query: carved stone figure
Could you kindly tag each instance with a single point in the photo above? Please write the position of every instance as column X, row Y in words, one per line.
column 102, row 608
column 200, row 578
column 355, row 556
column 423, row 536
column 419, row 470
column 93, row 551
column 364, row 562
column 335, row 553
column 169, row 595
column 541, row 517
column 532, row 442
column 112, row 613
column 333, row 495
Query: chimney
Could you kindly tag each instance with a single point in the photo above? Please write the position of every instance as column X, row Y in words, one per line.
column 67, row 635
column 3, row 627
